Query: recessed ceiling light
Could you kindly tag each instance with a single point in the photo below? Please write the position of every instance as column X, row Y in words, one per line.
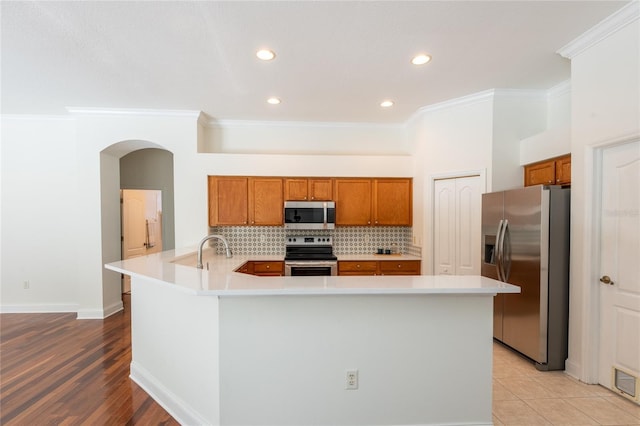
column 420, row 59
column 386, row 104
column 265, row 54
column 274, row 101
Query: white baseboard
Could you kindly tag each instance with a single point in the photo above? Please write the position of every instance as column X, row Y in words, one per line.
column 178, row 409
column 37, row 309
column 113, row 308
column 572, row 369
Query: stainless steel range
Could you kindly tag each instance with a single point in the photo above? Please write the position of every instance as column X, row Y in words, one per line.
column 310, row 256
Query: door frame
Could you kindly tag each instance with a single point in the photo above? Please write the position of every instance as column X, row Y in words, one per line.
column 428, row 232
column 590, row 307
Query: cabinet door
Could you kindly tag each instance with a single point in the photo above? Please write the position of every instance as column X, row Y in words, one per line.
column 228, row 201
column 399, row 267
column 353, row 201
column 321, row 189
column 266, row 204
column 357, row 268
column 295, row 189
column 540, row 173
column 268, row 269
column 392, row 202
column 563, row 170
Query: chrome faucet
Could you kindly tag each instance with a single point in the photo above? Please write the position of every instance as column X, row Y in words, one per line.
column 211, row 237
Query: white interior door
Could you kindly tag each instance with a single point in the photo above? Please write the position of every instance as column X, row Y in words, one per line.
column 619, row 354
column 141, row 224
column 457, row 215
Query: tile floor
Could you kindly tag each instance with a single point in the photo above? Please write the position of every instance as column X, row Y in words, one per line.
column 523, row 395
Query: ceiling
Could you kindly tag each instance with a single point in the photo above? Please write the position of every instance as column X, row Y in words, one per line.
column 336, row 60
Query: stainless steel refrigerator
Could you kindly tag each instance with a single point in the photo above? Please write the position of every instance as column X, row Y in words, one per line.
column 525, row 242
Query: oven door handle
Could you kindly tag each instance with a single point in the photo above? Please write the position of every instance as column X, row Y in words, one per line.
column 311, row 263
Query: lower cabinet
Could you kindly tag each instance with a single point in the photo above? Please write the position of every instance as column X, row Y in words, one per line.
column 357, row 268
column 381, row 267
column 401, row 267
column 262, row 268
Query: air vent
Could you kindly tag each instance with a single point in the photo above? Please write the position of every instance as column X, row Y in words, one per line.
column 626, row 384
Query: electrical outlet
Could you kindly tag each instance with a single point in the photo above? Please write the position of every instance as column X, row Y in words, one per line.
column 351, row 380
column 263, row 238
column 25, row 285
column 366, row 238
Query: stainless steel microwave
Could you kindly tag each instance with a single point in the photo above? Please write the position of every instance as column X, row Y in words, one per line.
column 309, row 214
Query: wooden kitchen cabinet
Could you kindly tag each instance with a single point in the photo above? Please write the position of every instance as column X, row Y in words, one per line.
column 266, row 204
column 228, row 200
column 262, row 268
column 357, row 268
column 399, row 267
column 353, row 201
column 302, row 189
column 555, row 171
column 382, row 267
column 392, row 202
column 563, row 170
column 380, row 202
column 237, row 200
column 268, row 268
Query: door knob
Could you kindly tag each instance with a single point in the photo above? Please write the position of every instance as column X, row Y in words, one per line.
column 605, row 279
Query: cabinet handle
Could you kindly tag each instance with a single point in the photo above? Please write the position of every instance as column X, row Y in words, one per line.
column 268, row 266
column 357, row 266
column 368, row 222
column 399, row 265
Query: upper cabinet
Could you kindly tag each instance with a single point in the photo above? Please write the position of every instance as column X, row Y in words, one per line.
column 392, row 202
column 235, row 200
column 556, row 171
column 266, row 203
column 228, row 200
column 378, row 202
column 312, row 189
column 241, row 200
column 353, row 201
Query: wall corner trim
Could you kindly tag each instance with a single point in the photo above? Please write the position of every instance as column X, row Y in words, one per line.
column 601, row 30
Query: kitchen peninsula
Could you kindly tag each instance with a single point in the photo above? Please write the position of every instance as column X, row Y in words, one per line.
column 218, row 347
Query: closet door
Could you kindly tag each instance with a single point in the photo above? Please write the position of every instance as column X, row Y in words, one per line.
column 457, row 210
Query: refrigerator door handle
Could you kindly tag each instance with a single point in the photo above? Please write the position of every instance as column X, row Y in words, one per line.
column 501, row 269
column 506, row 251
column 498, row 251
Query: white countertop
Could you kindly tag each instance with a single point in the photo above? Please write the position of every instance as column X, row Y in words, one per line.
column 173, row 268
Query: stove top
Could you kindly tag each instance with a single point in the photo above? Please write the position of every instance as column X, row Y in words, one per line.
column 309, row 248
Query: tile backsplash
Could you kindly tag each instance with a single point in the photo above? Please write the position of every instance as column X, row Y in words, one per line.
column 269, row 240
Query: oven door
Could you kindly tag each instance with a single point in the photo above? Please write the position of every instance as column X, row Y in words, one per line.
column 310, row 268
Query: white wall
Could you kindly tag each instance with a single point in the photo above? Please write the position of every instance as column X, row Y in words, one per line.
column 605, row 98
column 451, row 139
column 39, row 216
column 555, row 140
column 516, row 114
column 60, row 197
column 259, row 137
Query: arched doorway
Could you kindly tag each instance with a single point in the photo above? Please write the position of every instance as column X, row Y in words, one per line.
column 150, row 155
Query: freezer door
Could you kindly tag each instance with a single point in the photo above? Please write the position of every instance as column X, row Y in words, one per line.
column 522, row 316
column 492, row 214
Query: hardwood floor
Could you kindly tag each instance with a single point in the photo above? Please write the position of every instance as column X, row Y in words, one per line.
column 57, row 370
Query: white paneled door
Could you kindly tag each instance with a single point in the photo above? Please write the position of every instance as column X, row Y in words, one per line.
column 141, row 224
column 457, row 209
column 619, row 355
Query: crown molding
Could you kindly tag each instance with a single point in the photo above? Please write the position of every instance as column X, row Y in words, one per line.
column 211, row 122
column 133, row 112
column 42, row 117
column 463, row 100
column 601, row 30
